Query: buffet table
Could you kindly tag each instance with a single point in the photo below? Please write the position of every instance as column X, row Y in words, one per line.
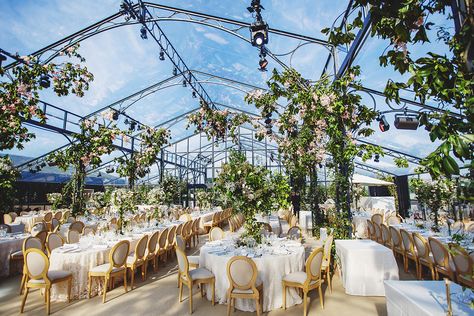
column 365, row 265
column 273, row 263
column 424, row 298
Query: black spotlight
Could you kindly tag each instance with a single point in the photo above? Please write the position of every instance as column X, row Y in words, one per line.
column 44, row 81
column 38, row 168
column 263, row 63
column 184, row 83
column 109, row 170
column 126, row 121
column 383, row 123
column 162, row 54
column 133, row 124
column 194, row 95
column 360, row 153
column 377, row 158
column 99, row 174
column 259, row 33
column 175, row 71
column 2, row 59
column 143, row 33
column 115, row 115
column 406, row 122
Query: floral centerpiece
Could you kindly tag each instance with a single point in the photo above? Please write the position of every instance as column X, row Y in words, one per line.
column 124, row 201
column 55, row 199
column 156, row 196
column 204, row 199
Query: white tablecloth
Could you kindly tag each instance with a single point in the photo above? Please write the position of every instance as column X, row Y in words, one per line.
column 9, row 245
column 422, row 298
column 29, row 220
column 271, row 269
column 365, row 265
column 17, row 227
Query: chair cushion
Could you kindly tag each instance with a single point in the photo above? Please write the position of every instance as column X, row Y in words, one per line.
column 258, row 282
column 200, row 273
column 17, row 254
column 296, row 277
column 53, row 275
column 103, row 268
column 131, row 260
column 193, row 260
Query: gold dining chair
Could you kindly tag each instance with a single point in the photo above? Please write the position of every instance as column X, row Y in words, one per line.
column 424, row 258
column 307, row 281
column 216, row 233
column 137, row 260
column 191, row 277
column 162, row 241
column 394, row 220
column 442, row 262
column 326, row 264
column 53, row 241
column 73, row 237
column 371, row 230
column 244, row 282
column 294, row 233
column 114, row 268
column 170, row 240
column 39, row 276
column 397, row 245
column 464, row 266
column 77, row 226
column 408, row 250
column 378, row 233
column 58, row 215
column 28, row 243
column 377, row 218
column 7, row 218
column 151, row 254
column 386, row 240
column 193, row 261
column 88, row 231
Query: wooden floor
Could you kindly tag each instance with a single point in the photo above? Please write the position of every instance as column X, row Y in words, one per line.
column 159, row 296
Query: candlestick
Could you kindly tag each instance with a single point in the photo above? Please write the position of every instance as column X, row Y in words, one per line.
column 448, row 296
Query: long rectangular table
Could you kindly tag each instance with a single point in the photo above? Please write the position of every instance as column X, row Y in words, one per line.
column 423, row 298
column 365, row 265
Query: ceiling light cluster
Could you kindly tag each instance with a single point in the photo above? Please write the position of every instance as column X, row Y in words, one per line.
column 259, row 32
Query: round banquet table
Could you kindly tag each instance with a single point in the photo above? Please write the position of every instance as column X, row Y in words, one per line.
column 8, row 245
column 29, row 221
column 271, row 270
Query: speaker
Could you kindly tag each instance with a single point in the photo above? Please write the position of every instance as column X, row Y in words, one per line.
column 406, row 122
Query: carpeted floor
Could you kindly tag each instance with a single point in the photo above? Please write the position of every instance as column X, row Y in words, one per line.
column 159, row 296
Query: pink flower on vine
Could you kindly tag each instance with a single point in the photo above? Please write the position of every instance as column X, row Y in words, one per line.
column 32, row 109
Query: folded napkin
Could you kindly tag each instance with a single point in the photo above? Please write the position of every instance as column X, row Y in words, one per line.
column 103, row 247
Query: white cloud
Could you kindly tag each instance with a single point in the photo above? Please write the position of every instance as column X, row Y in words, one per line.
column 216, row 38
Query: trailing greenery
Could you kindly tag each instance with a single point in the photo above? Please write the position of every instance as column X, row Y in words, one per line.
column 8, row 177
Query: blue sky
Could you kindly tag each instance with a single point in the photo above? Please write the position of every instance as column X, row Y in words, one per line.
column 123, row 63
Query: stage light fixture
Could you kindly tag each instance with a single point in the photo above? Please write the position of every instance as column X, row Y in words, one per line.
column 175, row 71
column 383, row 123
column 133, row 124
column 126, row 121
column 184, row 83
column 109, row 170
column 263, row 63
column 44, row 81
column 194, row 95
column 405, row 121
column 143, row 33
column 377, row 158
column 115, row 115
column 162, row 54
column 99, row 174
column 2, row 59
column 258, row 29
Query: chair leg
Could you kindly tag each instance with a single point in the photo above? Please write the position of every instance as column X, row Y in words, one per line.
column 284, row 296
column 328, row 275
column 125, row 280
column 321, row 297
column 229, row 304
column 24, row 299
column 201, row 288
column 89, row 285
column 180, row 285
column 106, row 281
column 190, row 298
column 23, row 281
column 69, row 285
column 213, row 293
column 132, row 278
column 258, row 306
column 305, row 303
column 48, row 300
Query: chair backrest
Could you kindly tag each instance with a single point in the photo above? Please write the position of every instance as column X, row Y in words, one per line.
column 6, row 227
column 470, row 228
column 371, row 229
column 393, row 220
column 119, row 253
column 36, row 265
column 113, row 220
column 180, row 242
column 88, row 231
column 73, row 236
column 163, row 238
column 294, row 232
column 183, row 263
column 421, row 245
column 185, row 217
column 463, row 262
column 242, row 273
column 152, row 242
column 13, row 215
column 313, row 265
column 171, row 235
column 42, row 236
column 7, row 219
column 440, row 253
column 71, row 219
column 396, row 238
column 216, row 234
column 140, row 248
column 53, row 241
column 196, row 225
column 65, row 216
column 408, row 243
column 37, row 228
column 385, row 234
column 77, row 226
column 48, row 217
column 179, row 229
column 32, row 242
column 377, row 232
column 377, row 218
column 293, row 221
column 54, row 223
column 58, row 215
